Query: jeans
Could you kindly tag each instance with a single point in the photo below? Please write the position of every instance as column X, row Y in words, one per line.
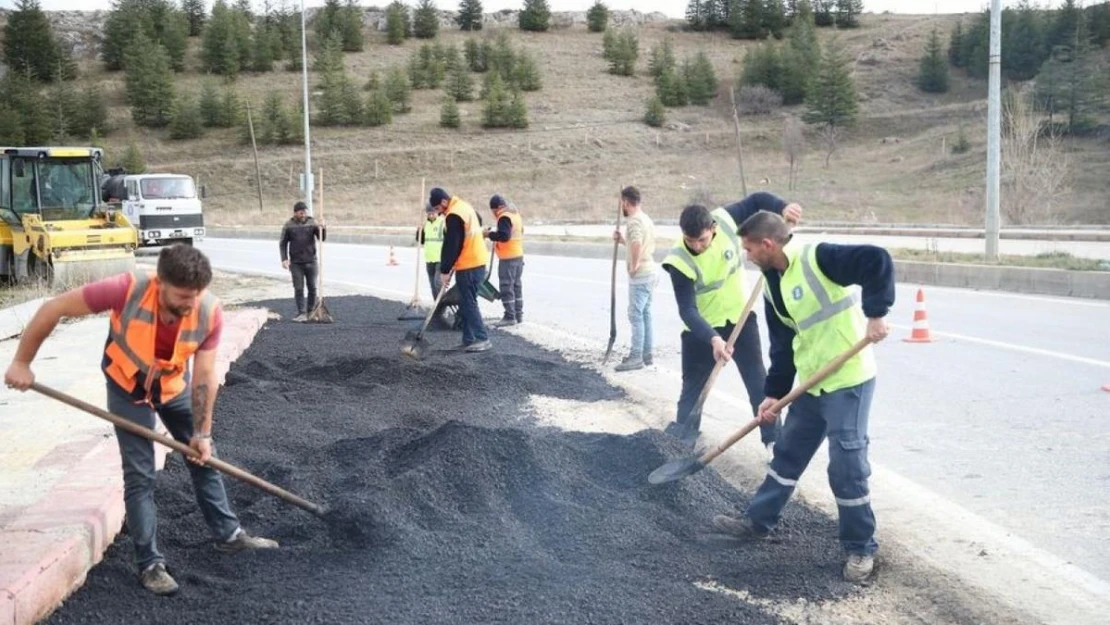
column 137, row 455
column 639, row 317
column 698, row 363
column 512, row 295
column 473, row 328
column 842, row 417
column 304, row 274
column 433, row 278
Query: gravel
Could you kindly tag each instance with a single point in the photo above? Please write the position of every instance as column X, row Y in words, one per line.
column 448, row 502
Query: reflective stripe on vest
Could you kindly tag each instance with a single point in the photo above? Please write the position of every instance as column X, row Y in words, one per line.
column 826, row 318
column 474, row 252
column 433, row 239
column 514, row 247
column 132, row 337
column 719, row 282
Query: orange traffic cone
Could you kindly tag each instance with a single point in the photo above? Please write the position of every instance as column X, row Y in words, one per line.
column 392, row 259
column 920, row 332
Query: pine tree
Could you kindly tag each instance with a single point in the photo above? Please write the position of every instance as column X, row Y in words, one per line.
column 133, row 161
column 30, row 46
column 291, row 41
column 149, row 82
column 459, row 85
column 656, row 114
column 800, row 56
column 961, row 145
column 425, row 20
column 745, row 19
column 399, row 91
column 1061, row 32
column 396, row 20
column 328, row 20
column 697, row 14
column 329, row 56
column 476, row 58
column 774, row 18
column 219, row 48
column 35, row 121
column 701, row 80
column 517, row 113
column 625, row 54
column 1023, row 49
column 1068, row 82
column 848, row 12
column 824, row 12
column 832, row 97
column 597, row 18
column 374, row 82
column 662, row 57
column 211, row 109
column 231, row 110
column 932, row 76
column 470, row 15
column 350, row 27
column 501, row 58
column 526, row 75
column 763, row 66
column 609, row 44
column 266, row 49
column 496, row 108
column 535, row 16
column 671, row 88
column 272, row 124
column 11, row 126
column 63, row 110
column 93, row 113
column 194, row 11
column 955, row 46
column 449, row 116
column 171, row 29
column 186, row 122
column 379, row 109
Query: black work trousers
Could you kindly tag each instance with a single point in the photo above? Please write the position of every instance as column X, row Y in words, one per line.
column 304, row 274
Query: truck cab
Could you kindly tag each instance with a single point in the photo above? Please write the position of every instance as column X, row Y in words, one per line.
column 165, row 208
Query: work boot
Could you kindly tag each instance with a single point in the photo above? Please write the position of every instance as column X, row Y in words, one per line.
column 631, row 363
column 858, row 568
column 157, row 580
column 242, row 540
column 742, row 528
column 480, row 346
column 506, row 321
column 649, row 360
column 300, row 318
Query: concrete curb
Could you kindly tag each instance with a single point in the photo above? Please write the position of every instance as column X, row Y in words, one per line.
column 1027, row 280
column 50, row 548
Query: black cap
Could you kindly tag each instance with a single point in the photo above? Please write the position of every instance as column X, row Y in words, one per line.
column 437, row 196
column 497, row 202
column 299, row 206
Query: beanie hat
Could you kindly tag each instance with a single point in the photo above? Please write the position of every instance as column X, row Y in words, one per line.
column 437, row 196
column 496, row 202
column 299, row 206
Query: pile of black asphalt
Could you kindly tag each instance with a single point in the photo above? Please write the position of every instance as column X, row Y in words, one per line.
column 448, row 502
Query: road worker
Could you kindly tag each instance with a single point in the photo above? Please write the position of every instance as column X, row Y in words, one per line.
column 508, row 243
column 464, row 252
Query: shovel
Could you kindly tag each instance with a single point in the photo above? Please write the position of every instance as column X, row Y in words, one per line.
column 414, row 345
column 184, row 449
column 695, row 412
column 319, row 312
column 613, row 294
column 684, row 467
column 415, row 310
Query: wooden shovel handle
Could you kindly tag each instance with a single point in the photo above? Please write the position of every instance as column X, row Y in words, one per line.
column 731, row 342
column 794, row 394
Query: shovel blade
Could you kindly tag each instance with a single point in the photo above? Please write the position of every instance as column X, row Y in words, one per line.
column 416, row 348
column 320, row 314
column 676, row 470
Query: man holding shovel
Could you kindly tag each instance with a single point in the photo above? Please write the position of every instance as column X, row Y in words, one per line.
column 298, row 256
column 508, row 243
column 465, row 253
column 707, row 272
column 158, row 322
column 812, row 317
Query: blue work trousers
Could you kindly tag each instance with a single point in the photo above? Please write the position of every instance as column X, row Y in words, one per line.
column 841, row 416
column 473, row 328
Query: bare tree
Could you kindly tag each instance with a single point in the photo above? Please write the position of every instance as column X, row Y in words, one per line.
column 794, row 146
column 1034, row 168
column 830, row 139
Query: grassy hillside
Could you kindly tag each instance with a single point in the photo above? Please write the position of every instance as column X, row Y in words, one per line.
column 587, row 139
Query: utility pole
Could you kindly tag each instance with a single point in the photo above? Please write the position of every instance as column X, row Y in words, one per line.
column 306, row 180
column 994, row 131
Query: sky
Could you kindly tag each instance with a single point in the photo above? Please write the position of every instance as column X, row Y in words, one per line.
column 673, row 8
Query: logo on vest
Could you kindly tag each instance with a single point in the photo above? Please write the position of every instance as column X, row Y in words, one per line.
column 729, row 254
column 797, row 293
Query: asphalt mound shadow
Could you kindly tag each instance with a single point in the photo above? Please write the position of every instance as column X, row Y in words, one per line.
column 447, row 504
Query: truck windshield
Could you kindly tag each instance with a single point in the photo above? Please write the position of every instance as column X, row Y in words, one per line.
column 64, row 187
column 167, row 189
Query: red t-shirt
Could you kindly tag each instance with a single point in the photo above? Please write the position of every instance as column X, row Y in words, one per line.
column 111, row 294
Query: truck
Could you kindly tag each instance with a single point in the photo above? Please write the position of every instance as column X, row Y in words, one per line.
column 165, row 208
column 54, row 227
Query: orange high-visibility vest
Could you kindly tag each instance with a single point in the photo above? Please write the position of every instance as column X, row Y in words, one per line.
column 131, row 340
column 514, row 247
column 474, row 252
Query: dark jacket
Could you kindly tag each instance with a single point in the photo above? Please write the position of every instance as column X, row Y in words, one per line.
column 298, row 241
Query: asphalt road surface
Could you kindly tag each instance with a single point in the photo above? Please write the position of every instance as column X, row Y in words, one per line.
column 1003, row 415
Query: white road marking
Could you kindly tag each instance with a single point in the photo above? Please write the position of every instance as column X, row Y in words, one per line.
column 1017, row 348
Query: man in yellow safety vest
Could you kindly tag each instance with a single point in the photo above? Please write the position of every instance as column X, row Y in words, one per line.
column 431, row 237
column 813, row 317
